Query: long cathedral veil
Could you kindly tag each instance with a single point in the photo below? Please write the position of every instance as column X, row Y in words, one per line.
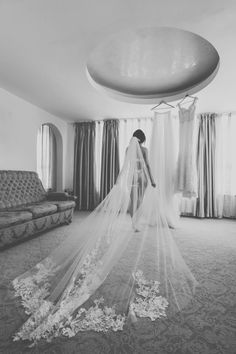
column 121, row 265
column 163, row 160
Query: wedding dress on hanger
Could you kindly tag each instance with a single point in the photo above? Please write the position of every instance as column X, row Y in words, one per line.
column 187, row 171
column 108, row 273
column 163, row 160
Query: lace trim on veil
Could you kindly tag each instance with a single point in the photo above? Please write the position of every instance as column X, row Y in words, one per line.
column 148, row 302
column 99, row 318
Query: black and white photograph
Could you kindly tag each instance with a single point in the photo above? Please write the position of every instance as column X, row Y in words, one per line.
column 117, row 177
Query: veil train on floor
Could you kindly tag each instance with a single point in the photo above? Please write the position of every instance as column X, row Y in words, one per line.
column 121, row 265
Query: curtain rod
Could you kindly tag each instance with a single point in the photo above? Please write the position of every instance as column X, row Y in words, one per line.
column 123, row 119
column 228, row 112
column 217, row 113
column 103, row 120
column 143, row 118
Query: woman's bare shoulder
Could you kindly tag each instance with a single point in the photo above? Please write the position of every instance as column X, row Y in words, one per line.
column 144, row 149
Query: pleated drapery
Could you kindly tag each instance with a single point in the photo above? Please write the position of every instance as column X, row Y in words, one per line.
column 206, row 163
column 84, row 165
column 110, row 166
column 226, row 165
column 98, row 157
column 100, row 149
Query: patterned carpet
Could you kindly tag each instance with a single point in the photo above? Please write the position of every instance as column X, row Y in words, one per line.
column 206, row 326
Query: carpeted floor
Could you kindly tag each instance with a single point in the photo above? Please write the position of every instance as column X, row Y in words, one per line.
column 206, row 326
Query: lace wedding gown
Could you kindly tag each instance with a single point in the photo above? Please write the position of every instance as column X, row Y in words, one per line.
column 187, row 170
column 109, row 272
column 163, row 157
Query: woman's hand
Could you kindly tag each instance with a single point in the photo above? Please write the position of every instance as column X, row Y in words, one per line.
column 153, row 184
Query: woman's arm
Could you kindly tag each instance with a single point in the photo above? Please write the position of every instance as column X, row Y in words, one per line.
column 145, row 156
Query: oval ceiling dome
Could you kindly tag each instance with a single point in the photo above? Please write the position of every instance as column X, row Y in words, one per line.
column 145, row 64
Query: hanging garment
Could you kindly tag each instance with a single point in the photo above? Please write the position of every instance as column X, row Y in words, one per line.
column 108, row 272
column 163, row 161
column 186, row 181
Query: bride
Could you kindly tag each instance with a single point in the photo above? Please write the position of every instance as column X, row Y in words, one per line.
column 139, row 186
column 122, row 264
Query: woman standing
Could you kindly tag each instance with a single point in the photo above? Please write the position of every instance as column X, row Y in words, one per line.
column 141, row 177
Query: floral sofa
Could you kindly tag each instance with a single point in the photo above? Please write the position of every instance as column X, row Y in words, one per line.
column 26, row 209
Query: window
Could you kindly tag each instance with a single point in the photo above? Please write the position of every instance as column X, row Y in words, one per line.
column 47, row 157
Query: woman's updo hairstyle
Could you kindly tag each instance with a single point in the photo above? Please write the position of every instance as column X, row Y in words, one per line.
column 139, row 134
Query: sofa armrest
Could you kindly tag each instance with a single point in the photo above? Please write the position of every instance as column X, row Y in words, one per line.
column 60, row 196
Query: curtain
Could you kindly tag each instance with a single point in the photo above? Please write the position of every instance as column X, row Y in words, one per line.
column 226, row 165
column 206, row 166
column 98, row 157
column 110, row 156
column 47, row 157
column 84, row 166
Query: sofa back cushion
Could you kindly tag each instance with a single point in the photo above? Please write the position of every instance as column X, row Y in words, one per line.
column 20, row 187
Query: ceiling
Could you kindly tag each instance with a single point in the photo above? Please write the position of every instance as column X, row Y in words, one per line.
column 45, row 44
column 151, row 63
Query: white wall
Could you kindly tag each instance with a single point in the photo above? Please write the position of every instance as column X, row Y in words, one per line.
column 19, row 124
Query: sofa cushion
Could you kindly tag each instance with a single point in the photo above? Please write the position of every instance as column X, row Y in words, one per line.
column 9, row 218
column 64, row 205
column 57, row 196
column 20, row 187
column 40, row 209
